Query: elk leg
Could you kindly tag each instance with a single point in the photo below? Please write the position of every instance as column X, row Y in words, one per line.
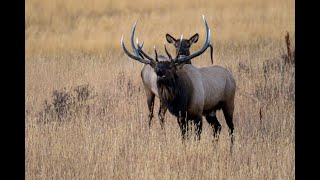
column 162, row 112
column 183, row 126
column 150, row 101
column 228, row 115
column 216, row 126
column 198, row 127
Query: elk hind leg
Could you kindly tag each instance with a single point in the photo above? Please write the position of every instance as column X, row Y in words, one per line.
column 228, row 115
column 216, row 126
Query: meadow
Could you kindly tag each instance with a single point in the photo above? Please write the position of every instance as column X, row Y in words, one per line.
column 86, row 110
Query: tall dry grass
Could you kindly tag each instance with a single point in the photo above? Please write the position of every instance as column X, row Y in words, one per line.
column 86, row 111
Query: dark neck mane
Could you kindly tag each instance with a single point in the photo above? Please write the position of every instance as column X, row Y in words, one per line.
column 176, row 93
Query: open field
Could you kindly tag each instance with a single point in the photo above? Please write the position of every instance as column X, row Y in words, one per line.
column 86, row 111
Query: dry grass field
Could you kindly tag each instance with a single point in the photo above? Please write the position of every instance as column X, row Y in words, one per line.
column 86, row 110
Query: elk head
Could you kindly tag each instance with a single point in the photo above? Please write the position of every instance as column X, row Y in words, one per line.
column 174, row 63
column 185, row 44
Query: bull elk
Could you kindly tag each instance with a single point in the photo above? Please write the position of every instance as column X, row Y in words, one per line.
column 149, row 77
column 190, row 92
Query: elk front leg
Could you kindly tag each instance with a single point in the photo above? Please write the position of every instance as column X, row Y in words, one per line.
column 150, row 101
column 161, row 114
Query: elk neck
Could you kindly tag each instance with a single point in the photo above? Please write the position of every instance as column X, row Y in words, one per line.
column 176, row 92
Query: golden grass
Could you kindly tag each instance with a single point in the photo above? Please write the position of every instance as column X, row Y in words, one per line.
column 72, row 43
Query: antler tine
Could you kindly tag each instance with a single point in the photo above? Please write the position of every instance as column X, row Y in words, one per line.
column 144, row 54
column 132, row 37
column 141, row 52
column 138, row 52
column 155, row 51
column 137, row 41
column 207, row 44
column 180, row 44
column 211, row 52
column 165, row 48
column 132, row 56
column 142, row 44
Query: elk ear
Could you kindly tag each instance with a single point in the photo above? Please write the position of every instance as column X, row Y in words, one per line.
column 194, row 38
column 170, row 39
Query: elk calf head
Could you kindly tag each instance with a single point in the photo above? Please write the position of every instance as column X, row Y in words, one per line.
column 185, row 44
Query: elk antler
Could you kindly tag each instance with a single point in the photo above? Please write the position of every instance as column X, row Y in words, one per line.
column 138, row 52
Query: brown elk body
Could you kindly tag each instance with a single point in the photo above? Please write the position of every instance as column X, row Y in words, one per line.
column 190, row 92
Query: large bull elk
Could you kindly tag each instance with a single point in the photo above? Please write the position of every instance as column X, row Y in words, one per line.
column 190, row 92
column 149, row 77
